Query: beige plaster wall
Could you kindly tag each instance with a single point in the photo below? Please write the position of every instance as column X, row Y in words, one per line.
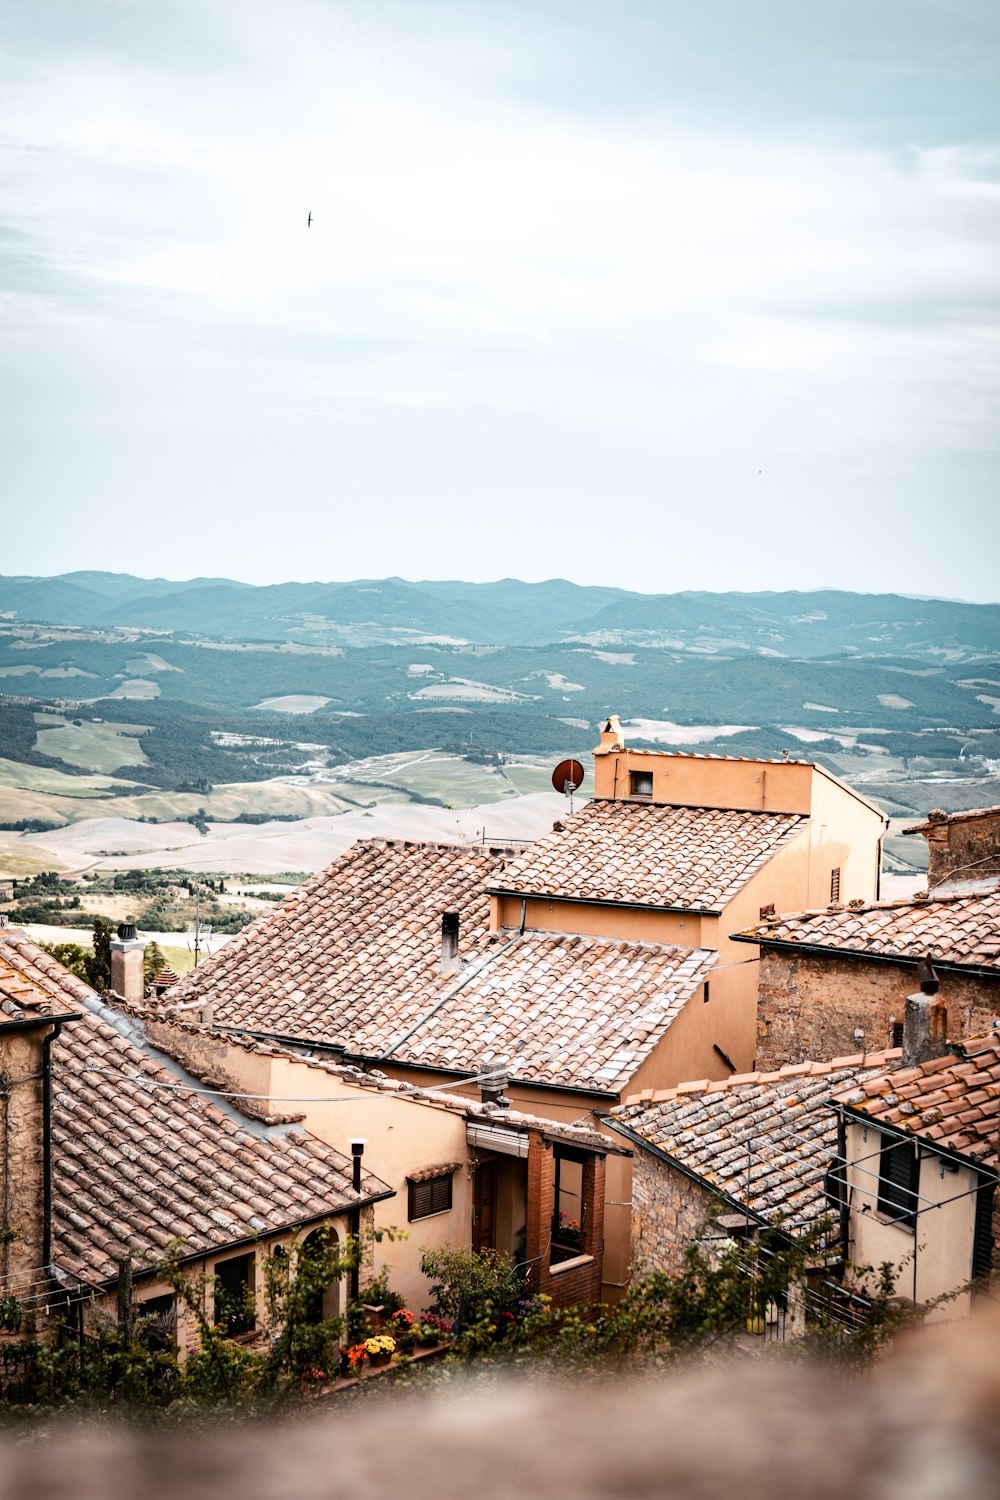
column 403, row 1136
column 200, row 1274
column 594, row 919
column 846, row 833
column 689, row 781
column 934, row 1258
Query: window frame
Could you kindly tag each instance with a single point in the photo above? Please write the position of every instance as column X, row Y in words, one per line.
column 898, row 1181
column 436, row 1189
column 243, row 1320
column 646, row 777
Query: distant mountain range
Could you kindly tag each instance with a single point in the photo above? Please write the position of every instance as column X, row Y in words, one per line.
column 367, row 612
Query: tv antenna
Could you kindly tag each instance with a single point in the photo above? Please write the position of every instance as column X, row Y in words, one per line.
column 567, row 778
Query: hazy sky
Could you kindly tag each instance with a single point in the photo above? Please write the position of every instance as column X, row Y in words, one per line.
column 664, row 295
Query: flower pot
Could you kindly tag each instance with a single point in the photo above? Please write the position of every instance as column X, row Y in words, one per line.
column 383, row 1357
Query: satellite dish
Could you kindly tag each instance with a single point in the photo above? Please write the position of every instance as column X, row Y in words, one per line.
column 567, row 777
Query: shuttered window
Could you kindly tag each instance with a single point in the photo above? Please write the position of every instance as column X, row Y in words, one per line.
column 835, row 884
column 982, row 1249
column 432, row 1196
column 897, row 1181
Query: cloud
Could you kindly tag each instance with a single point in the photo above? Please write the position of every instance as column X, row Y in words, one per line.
column 490, row 256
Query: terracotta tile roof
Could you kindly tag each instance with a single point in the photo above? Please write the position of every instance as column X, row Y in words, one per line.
column 961, row 929
column 359, row 941
column 353, row 962
column 952, row 1102
column 778, row 1126
column 137, row 1163
column 650, row 855
column 577, row 1012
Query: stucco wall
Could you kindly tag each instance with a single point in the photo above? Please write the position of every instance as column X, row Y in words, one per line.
column 934, row 1257
column 810, row 1005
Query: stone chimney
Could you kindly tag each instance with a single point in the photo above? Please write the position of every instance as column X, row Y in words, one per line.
column 126, row 963
column 962, row 846
column 612, row 737
column 925, row 1020
column 491, row 1090
column 451, row 963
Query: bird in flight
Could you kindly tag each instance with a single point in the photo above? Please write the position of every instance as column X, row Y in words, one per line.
column 309, row 220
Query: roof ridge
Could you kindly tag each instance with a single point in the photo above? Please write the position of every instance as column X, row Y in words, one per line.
column 814, row 1069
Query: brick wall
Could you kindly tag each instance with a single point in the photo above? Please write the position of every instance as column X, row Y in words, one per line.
column 577, row 1280
column 669, row 1212
column 809, row 1005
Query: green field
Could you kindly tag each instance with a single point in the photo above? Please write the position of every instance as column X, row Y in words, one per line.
column 57, row 783
column 91, row 746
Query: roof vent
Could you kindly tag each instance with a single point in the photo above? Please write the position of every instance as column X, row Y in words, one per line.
column 127, row 932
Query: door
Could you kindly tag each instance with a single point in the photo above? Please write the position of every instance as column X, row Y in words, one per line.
column 484, row 1209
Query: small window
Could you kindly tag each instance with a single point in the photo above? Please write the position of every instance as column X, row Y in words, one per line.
column 897, row 1181
column 705, row 992
column 835, row 884
column 433, row 1196
column 156, row 1324
column 640, row 783
column 897, row 1033
column 234, row 1302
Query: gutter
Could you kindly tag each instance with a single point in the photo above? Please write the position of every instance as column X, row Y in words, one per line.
column 784, row 945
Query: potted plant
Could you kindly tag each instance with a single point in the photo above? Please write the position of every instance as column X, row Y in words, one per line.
column 380, row 1349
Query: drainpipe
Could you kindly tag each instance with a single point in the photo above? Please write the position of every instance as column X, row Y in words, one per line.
column 47, row 1145
column 842, row 1202
column 358, row 1145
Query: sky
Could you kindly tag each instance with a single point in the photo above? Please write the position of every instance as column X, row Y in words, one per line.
column 657, row 294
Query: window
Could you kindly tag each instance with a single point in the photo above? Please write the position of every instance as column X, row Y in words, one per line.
column 640, row 783
column 982, row 1247
column 897, row 1181
column 835, row 884
column 156, row 1323
column 568, row 1237
column 234, row 1302
column 432, row 1196
column 897, row 1033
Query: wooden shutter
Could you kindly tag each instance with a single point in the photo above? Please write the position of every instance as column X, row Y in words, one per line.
column 897, row 1180
column 982, row 1244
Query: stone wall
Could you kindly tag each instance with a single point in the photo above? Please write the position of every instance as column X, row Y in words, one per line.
column 964, row 847
column 22, row 1160
column 809, row 1006
column 669, row 1212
